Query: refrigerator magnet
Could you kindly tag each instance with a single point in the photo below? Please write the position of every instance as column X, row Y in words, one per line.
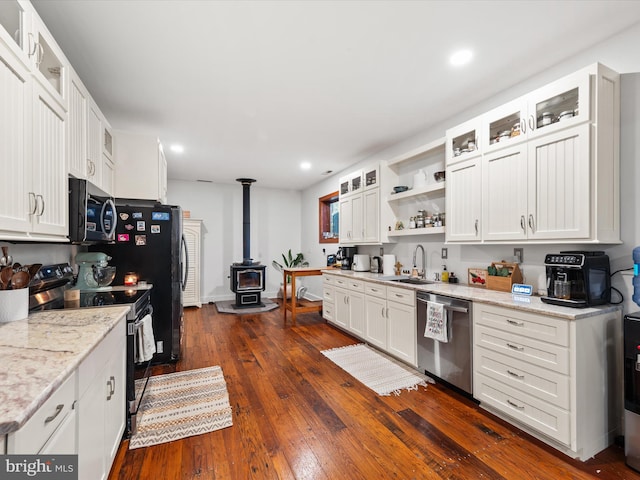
column 161, row 216
column 141, row 225
column 155, row 228
column 123, row 237
column 128, row 226
column 136, row 215
column 124, row 216
column 141, row 240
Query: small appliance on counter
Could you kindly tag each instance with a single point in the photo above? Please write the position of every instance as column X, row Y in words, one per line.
column 577, row 279
column 94, row 272
column 361, row 263
column 376, row 265
column 345, row 256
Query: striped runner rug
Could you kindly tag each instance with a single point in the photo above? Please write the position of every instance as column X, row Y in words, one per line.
column 382, row 374
column 181, row 404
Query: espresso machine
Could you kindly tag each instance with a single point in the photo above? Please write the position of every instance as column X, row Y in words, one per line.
column 577, row 279
column 94, row 272
column 345, row 256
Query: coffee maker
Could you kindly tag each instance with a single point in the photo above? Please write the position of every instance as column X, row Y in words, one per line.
column 577, row 279
column 345, row 256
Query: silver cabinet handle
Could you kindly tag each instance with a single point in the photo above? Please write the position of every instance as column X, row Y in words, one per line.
column 513, row 374
column 513, row 322
column 41, row 205
column 59, row 408
column 532, row 123
column 382, row 312
column 112, row 387
column 32, row 196
column 515, row 347
column 532, row 224
column 523, row 226
column 476, row 227
column 515, row 405
column 523, row 126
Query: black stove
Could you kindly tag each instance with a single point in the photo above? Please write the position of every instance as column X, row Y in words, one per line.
column 47, row 291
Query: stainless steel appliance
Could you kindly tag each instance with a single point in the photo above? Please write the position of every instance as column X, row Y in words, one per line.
column 46, row 292
column 632, row 390
column 450, row 362
column 361, row 262
column 577, row 279
column 345, row 255
column 92, row 213
column 149, row 242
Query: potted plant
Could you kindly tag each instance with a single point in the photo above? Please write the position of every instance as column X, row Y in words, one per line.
column 291, row 261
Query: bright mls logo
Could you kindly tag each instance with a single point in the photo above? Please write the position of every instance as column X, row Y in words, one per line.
column 58, row 467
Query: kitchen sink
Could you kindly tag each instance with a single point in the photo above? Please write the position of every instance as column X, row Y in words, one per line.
column 414, row 281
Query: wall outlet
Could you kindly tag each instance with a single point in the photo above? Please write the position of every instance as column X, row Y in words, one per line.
column 519, row 254
column 444, row 253
column 159, row 346
column 381, row 251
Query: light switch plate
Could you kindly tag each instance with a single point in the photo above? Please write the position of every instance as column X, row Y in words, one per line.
column 444, row 253
column 519, row 254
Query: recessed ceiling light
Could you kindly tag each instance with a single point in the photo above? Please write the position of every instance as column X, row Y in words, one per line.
column 177, row 148
column 461, row 57
column 305, row 165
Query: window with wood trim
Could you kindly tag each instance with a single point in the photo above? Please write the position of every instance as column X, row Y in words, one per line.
column 328, row 224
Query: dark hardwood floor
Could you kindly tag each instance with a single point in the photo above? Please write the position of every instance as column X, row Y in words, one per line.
column 297, row 415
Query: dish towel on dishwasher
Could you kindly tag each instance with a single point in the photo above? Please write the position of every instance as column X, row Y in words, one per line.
column 146, row 342
column 437, row 326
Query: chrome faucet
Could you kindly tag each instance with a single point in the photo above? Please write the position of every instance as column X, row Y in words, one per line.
column 415, row 265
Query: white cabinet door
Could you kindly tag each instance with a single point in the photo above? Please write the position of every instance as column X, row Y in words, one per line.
column 140, row 157
column 114, row 417
column 15, row 142
column 376, row 321
column 463, row 141
column 91, row 438
column 77, row 127
column 371, row 215
column 356, row 314
column 402, row 334
column 357, row 220
column 464, row 201
column 559, row 188
column 504, row 194
column 94, row 145
column 49, row 174
column 504, row 126
column 64, row 440
column 346, row 221
column 341, row 313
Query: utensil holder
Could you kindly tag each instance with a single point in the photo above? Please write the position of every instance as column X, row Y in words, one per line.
column 504, row 284
column 14, row 305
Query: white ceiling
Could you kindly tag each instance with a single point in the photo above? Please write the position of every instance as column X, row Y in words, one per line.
column 253, row 88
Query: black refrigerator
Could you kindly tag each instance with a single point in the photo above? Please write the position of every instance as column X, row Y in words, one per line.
column 149, row 242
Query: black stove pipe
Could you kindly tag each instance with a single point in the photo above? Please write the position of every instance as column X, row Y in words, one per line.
column 246, row 220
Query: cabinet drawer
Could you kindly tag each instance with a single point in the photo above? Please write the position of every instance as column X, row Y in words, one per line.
column 401, row 295
column 44, row 422
column 539, row 327
column 350, row 283
column 528, row 350
column 328, row 294
column 328, row 279
column 96, row 360
column 542, row 416
column 375, row 290
column 328, row 311
column 534, row 381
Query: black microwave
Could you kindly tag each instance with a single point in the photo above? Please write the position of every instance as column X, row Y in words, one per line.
column 92, row 213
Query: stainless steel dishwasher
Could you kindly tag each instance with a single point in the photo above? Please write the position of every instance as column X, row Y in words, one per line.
column 450, row 361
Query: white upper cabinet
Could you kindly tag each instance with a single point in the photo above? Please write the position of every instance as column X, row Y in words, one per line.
column 359, row 197
column 15, row 27
column 550, row 164
column 77, row 127
column 464, row 201
column 464, row 141
column 140, row 167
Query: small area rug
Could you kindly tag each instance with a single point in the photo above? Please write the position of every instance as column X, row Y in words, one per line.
column 226, row 306
column 382, row 374
column 182, row 404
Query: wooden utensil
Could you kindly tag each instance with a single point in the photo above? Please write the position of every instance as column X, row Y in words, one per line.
column 19, row 280
column 5, row 277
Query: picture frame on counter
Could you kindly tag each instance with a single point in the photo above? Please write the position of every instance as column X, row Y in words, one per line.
column 477, row 277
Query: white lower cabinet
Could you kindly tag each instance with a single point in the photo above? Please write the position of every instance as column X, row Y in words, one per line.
column 101, row 413
column 380, row 315
column 51, row 429
column 402, row 335
column 558, row 379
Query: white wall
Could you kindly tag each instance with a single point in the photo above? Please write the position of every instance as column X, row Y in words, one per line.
column 275, row 228
column 618, row 52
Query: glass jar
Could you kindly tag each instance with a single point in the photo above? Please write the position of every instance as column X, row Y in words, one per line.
column 412, row 222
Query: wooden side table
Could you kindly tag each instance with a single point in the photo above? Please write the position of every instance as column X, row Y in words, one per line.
column 295, row 306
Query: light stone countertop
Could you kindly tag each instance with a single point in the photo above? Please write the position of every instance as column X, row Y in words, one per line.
column 39, row 353
column 482, row 295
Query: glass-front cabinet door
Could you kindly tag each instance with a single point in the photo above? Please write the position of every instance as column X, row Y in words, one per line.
column 505, row 126
column 561, row 104
column 14, row 24
column 463, row 141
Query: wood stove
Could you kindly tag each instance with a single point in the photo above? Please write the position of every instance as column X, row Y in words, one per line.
column 247, row 277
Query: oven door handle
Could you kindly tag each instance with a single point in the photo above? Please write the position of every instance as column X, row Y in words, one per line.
column 185, row 273
column 448, row 307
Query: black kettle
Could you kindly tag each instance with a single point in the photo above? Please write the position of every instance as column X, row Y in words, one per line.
column 376, row 264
